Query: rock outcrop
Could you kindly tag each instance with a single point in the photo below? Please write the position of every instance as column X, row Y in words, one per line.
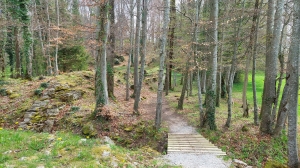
column 44, row 112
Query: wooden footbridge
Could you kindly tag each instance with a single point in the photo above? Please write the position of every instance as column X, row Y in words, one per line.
column 191, row 143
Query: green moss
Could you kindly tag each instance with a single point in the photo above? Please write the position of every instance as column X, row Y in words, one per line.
column 89, row 130
column 274, row 164
column 14, row 96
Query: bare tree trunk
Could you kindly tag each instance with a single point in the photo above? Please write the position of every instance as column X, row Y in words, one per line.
column 195, row 47
column 57, row 39
column 131, row 49
column 209, row 119
column 101, row 65
column 252, row 42
column 49, row 66
column 171, row 38
column 4, row 38
column 282, row 112
column 273, row 39
column 162, row 56
column 111, row 50
column 17, row 52
column 203, row 81
column 143, row 55
column 254, row 54
column 184, row 86
column 191, row 83
column 282, row 69
column 40, row 31
column 292, row 83
column 137, row 46
column 233, row 69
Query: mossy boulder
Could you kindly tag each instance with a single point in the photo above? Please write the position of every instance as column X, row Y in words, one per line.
column 61, row 87
column 9, row 92
column 274, row 164
column 71, row 96
column 14, row 96
column 128, row 129
column 89, row 130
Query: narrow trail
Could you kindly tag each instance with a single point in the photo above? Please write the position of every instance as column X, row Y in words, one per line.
column 177, row 124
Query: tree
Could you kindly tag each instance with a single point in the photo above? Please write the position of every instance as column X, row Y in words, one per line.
column 137, row 46
column 291, row 89
column 162, row 56
column 143, row 55
column 237, row 30
column 131, row 49
column 273, row 39
column 57, row 39
column 111, row 50
column 253, row 42
column 27, row 36
column 101, row 65
column 171, row 38
column 3, row 35
column 195, row 47
column 209, row 118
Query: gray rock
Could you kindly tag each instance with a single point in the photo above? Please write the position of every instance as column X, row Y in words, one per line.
column 53, row 112
column 105, row 154
column 48, row 125
column 70, row 96
column 107, row 140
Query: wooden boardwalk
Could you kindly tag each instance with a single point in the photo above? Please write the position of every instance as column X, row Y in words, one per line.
column 191, row 143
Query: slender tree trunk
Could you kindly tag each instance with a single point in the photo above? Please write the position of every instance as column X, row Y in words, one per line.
column 254, row 55
column 209, row 119
column 292, row 83
column 57, row 39
column 220, row 62
column 233, row 67
column 184, row 86
column 195, row 47
column 131, row 49
column 4, row 38
column 162, row 56
column 17, row 52
column 111, row 50
column 143, row 55
column 203, row 81
column 137, row 46
column 252, row 42
column 40, row 31
column 282, row 112
column 273, row 39
column 49, row 66
column 171, row 38
column 101, row 65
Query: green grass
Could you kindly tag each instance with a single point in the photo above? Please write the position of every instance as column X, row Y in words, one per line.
column 30, row 149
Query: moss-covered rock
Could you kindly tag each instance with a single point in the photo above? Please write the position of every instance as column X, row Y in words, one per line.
column 71, row 96
column 274, row 164
column 89, row 130
column 128, row 129
column 14, row 96
column 61, row 87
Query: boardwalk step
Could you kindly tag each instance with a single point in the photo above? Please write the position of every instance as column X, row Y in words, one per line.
column 191, row 143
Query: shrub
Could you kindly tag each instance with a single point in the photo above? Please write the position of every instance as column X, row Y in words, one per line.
column 44, row 85
column 38, row 92
column 3, row 92
column 73, row 58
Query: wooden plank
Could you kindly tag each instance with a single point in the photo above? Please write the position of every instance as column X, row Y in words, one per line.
column 191, row 143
